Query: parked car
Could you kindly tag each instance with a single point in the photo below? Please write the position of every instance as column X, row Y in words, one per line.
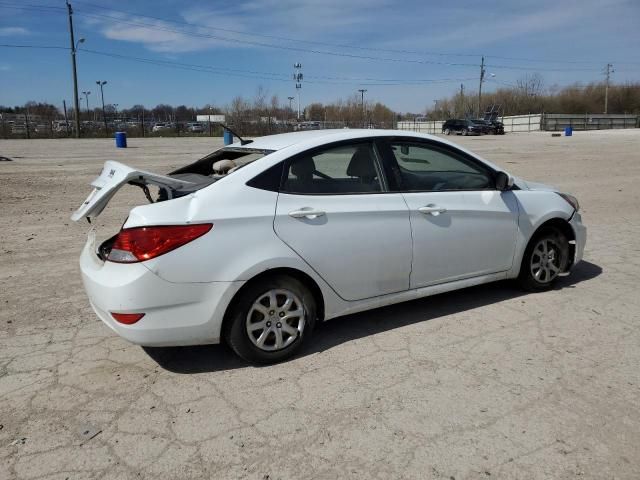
column 485, row 126
column 258, row 241
column 158, row 127
column 195, row 127
column 462, row 127
column 498, row 127
column 493, row 127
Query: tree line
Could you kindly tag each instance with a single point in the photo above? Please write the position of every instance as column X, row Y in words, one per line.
column 530, row 95
column 264, row 113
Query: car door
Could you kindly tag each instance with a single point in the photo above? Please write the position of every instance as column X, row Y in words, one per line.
column 335, row 211
column 462, row 226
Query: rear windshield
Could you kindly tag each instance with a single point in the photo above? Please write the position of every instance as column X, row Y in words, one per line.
column 223, row 162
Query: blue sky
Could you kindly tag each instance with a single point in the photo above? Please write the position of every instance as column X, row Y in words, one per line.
column 241, row 45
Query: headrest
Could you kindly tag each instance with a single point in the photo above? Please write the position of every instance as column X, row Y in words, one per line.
column 361, row 164
column 303, row 167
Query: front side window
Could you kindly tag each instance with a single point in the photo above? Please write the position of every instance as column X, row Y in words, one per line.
column 431, row 168
column 337, row 170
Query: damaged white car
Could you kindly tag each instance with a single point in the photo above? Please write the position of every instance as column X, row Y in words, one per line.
column 321, row 224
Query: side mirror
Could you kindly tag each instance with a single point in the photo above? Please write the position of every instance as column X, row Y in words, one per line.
column 504, row 181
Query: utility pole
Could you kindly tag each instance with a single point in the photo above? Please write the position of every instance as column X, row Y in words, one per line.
column 104, row 115
column 297, row 77
column 608, row 72
column 482, row 72
column 76, row 102
column 290, row 100
column 26, row 122
column 66, row 120
column 461, row 112
column 86, row 97
column 362, row 92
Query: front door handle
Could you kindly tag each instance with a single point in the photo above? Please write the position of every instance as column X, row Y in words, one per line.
column 432, row 209
column 306, row 213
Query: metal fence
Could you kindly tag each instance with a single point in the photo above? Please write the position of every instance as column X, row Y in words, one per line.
column 558, row 121
column 432, row 127
column 522, row 123
column 540, row 122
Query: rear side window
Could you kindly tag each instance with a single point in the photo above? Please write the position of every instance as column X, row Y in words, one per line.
column 343, row 169
column 269, row 179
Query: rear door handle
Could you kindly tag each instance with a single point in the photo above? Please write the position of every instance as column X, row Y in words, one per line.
column 432, row 209
column 306, row 213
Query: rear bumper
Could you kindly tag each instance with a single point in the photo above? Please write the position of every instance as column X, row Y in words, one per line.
column 580, row 232
column 175, row 313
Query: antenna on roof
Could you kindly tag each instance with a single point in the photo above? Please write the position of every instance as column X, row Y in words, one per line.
column 242, row 140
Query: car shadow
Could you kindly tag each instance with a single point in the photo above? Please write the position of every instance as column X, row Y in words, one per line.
column 211, row 358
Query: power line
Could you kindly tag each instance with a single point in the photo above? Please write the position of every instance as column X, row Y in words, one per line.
column 277, row 37
column 30, row 5
column 539, row 60
column 314, row 51
column 254, row 73
column 337, row 45
column 566, row 86
column 11, row 45
column 500, row 82
column 518, row 67
column 270, row 45
column 311, row 42
column 249, row 73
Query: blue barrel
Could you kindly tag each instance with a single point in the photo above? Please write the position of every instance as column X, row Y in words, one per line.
column 121, row 139
column 228, row 137
column 568, row 131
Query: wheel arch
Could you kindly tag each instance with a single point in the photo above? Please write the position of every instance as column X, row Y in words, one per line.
column 299, row 275
column 564, row 227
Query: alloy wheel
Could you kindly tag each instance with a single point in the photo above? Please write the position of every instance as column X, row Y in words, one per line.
column 545, row 261
column 275, row 320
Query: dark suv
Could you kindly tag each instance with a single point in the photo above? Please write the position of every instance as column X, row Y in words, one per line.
column 498, row 127
column 463, row 127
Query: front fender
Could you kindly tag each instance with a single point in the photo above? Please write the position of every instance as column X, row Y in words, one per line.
column 536, row 207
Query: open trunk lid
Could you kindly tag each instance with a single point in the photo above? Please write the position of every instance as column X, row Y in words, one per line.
column 113, row 176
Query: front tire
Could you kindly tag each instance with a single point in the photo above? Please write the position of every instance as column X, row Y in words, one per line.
column 546, row 256
column 447, row 131
column 271, row 320
column 464, row 132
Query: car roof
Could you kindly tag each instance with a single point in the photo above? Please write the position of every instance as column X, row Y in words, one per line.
column 283, row 140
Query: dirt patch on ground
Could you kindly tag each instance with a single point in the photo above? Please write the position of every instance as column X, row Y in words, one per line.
column 486, row 381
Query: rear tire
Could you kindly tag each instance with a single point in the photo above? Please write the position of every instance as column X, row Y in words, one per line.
column 447, row 131
column 546, row 256
column 270, row 320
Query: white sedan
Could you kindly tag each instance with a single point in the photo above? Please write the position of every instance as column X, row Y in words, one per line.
column 261, row 239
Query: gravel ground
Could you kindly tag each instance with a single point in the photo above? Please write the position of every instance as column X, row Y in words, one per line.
column 485, row 382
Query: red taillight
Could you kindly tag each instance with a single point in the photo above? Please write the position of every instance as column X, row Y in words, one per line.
column 144, row 243
column 127, row 318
